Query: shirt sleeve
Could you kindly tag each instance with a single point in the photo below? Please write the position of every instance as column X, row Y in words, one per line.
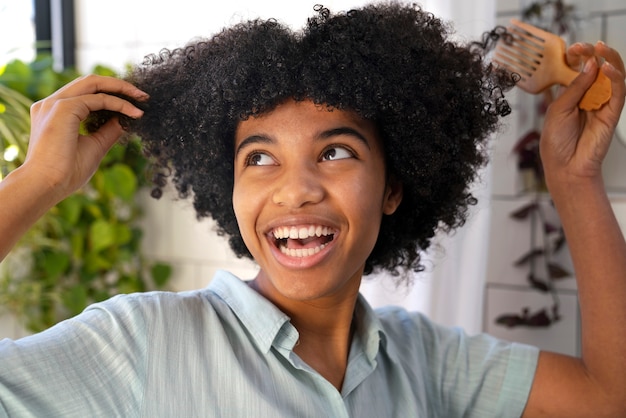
column 90, row 365
column 479, row 376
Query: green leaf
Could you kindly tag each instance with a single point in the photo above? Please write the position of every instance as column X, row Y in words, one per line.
column 120, row 180
column 17, row 75
column 70, row 208
column 95, row 263
column 130, row 284
column 123, row 234
column 101, row 235
column 115, row 154
column 46, row 84
column 54, row 264
column 97, row 181
column 101, row 70
column 160, row 273
column 75, row 299
column 94, row 210
column 77, row 243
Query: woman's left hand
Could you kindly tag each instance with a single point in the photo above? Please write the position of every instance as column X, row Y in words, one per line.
column 575, row 142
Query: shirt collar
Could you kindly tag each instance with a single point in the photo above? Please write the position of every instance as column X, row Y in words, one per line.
column 264, row 321
column 369, row 328
column 269, row 326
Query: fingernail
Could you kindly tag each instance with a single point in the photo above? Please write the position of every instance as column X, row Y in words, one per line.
column 589, row 65
column 142, row 94
column 608, row 65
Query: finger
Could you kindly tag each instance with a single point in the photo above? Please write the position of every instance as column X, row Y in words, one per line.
column 81, row 106
column 572, row 94
column 578, row 53
column 612, row 56
column 95, row 84
column 618, row 88
column 100, row 142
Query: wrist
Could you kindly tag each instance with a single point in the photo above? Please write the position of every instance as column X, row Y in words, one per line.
column 36, row 189
column 571, row 187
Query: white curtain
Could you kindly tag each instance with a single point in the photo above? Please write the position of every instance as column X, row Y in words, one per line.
column 451, row 289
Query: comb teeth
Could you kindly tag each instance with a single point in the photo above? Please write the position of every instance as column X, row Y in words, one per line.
column 539, row 57
column 521, row 53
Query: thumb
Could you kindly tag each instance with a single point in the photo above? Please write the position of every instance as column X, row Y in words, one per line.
column 100, row 142
column 577, row 89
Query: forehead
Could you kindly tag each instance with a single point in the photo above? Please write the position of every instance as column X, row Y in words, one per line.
column 299, row 118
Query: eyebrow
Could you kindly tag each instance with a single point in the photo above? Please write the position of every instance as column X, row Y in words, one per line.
column 253, row 139
column 344, row 130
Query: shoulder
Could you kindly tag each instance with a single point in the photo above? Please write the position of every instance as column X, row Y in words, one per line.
column 149, row 302
column 399, row 323
column 496, row 374
column 156, row 309
column 445, row 346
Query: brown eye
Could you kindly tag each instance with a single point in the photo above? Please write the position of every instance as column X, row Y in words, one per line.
column 336, row 153
column 259, row 158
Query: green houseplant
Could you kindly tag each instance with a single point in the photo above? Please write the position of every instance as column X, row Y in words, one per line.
column 87, row 248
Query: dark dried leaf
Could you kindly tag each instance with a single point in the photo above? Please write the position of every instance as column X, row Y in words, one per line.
column 539, row 319
column 558, row 272
column 550, row 228
column 509, row 320
column 559, row 243
column 531, row 139
column 537, row 252
column 538, row 283
column 524, row 211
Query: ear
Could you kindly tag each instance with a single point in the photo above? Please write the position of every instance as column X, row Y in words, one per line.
column 393, row 196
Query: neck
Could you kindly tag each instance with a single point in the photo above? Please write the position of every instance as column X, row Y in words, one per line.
column 325, row 339
column 324, row 326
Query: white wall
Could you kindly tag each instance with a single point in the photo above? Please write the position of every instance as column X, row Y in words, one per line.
column 117, row 32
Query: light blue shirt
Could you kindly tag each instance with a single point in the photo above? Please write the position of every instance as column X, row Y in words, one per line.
column 225, row 351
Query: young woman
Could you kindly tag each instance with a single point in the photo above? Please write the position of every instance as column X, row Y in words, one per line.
column 324, row 154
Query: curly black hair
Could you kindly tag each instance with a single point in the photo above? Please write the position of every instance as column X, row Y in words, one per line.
column 435, row 102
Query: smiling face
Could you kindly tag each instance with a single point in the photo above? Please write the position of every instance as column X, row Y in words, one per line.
column 309, row 194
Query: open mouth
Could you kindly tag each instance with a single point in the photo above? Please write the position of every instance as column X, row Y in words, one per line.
column 302, row 241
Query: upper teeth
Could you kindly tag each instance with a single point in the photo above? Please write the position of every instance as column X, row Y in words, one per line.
column 301, row 232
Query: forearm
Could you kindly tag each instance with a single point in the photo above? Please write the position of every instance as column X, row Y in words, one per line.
column 24, row 200
column 598, row 251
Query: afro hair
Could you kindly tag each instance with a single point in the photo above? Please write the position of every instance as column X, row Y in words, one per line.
column 434, row 101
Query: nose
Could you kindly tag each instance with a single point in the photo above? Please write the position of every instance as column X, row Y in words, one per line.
column 297, row 187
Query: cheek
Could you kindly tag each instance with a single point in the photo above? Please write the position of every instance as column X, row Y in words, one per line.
column 369, row 194
column 240, row 208
column 245, row 206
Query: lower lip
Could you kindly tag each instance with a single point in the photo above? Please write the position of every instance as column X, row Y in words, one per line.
column 301, row 262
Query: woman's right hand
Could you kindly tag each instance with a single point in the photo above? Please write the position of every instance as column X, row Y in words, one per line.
column 60, row 157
